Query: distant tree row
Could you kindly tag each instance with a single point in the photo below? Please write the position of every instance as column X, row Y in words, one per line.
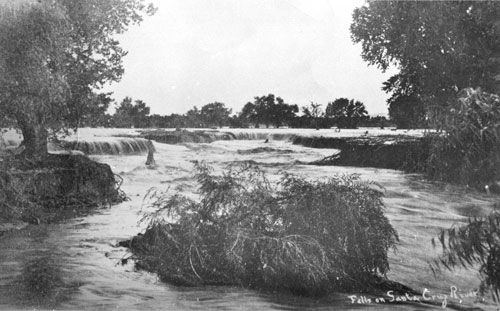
column 264, row 111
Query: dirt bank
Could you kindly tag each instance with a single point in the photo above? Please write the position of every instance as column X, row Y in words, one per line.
column 46, row 190
column 392, row 152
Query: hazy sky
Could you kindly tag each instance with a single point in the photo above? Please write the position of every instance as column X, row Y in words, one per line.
column 194, row 52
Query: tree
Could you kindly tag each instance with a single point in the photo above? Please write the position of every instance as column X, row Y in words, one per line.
column 337, row 108
column 215, row 114
column 94, row 113
column 346, row 113
column 53, row 55
column 406, row 107
column 194, row 118
column 283, row 113
column 269, row 109
column 249, row 114
column 264, row 107
column 131, row 115
column 313, row 113
column 140, row 114
column 440, row 47
column 407, row 112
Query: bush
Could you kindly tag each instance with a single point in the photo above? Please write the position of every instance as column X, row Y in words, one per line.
column 307, row 237
column 476, row 243
column 468, row 152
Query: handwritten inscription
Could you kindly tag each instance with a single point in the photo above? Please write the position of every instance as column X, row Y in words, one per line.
column 426, row 295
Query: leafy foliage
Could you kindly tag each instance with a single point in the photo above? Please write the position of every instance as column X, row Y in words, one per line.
column 131, row 115
column 306, row 237
column 439, row 47
column 215, row 114
column 313, row 113
column 269, row 110
column 474, row 244
column 346, row 113
column 53, row 55
column 468, row 152
column 406, row 106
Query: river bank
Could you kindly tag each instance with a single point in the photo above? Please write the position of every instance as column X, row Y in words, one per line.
column 52, row 188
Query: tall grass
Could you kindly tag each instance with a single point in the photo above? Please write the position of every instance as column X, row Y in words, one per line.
column 308, row 237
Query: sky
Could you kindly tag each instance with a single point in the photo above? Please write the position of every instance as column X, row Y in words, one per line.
column 195, row 52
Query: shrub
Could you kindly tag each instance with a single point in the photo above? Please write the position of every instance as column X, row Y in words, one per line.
column 468, row 152
column 307, row 237
column 476, row 243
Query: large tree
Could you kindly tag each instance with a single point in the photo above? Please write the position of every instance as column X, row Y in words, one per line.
column 131, row 115
column 215, row 114
column 249, row 114
column 346, row 113
column 283, row 113
column 193, row 118
column 439, row 47
column 313, row 113
column 54, row 56
column 269, row 109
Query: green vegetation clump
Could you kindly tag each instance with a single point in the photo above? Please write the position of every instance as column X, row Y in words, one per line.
column 468, row 151
column 307, row 237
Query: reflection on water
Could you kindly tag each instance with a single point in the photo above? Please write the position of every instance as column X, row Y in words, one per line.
column 76, row 264
column 41, row 282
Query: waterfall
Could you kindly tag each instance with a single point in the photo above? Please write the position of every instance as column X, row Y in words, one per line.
column 205, row 136
column 263, row 136
column 111, row 145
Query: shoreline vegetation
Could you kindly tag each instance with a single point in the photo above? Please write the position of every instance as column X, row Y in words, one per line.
column 53, row 188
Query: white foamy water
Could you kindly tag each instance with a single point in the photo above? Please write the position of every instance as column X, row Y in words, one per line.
column 81, row 266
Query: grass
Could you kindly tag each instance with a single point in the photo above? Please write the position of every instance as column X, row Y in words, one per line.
column 307, row 237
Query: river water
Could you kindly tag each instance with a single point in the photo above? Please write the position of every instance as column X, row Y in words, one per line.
column 76, row 265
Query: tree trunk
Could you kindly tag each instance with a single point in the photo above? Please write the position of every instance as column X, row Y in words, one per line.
column 34, row 139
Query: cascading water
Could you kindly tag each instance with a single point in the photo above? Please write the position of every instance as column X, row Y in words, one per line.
column 111, row 146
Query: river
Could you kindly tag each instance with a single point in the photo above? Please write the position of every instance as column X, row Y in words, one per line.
column 77, row 265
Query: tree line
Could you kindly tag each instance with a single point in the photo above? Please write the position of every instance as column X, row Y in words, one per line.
column 56, row 55
column 265, row 111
